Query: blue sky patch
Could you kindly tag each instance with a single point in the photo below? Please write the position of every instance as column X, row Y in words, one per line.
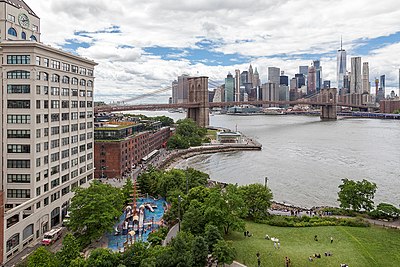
column 365, row 46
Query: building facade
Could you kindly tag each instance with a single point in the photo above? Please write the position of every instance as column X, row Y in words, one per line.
column 229, row 92
column 341, row 58
column 274, row 75
column 365, row 78
column 318, row 75
column 311, row 81
column 47, row 137
column 355, row 76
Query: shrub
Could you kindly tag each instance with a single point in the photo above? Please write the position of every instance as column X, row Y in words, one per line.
column 306, row 221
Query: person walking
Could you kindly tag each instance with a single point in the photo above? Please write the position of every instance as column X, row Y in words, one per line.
column 258, row 259
column 279, row 245
column 331, row 239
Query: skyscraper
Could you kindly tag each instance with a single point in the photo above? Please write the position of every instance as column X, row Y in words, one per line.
column 355, row 76
column 47, row 130
column 284, row 79
column 318, row 75
column 365, row 78
column 251, row 76
column 237, row 85
column 303, row 70
column 383, row 82
column 274, row 75
column 229, row 88
column 256, row 78
column 311, row 81
column 341, row 67
column 174, row 92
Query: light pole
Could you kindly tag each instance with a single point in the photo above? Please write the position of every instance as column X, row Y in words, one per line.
column 179, row 213
column 266, row 181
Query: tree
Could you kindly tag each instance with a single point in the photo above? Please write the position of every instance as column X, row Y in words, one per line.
column 78, row 262
column 43, row 258
column 257, row 199
column 193, row 219
column 187, row 134
column 165, row 121
column 102, row 257
column 199, row 251
column 69, row 250
column 356, row 195
column 224, row 252
column 127, row 190
column 135, row 254
column 212, row 236
column 94, row 209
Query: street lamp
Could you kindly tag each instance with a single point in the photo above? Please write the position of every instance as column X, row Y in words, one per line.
column 179, row 213
column 266, row 181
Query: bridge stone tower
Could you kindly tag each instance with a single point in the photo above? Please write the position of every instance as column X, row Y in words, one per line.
column 329, row 109
column 198, row 94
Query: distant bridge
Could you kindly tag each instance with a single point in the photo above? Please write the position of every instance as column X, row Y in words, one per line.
column 198, row 105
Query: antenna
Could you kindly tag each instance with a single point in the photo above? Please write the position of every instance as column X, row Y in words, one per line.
column 341, row 42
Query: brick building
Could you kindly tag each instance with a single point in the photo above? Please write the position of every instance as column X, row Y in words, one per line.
column 122, row 145
column 389, row 106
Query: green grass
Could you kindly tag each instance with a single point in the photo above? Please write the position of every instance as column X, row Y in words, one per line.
column 212, row 134
column 357, row 247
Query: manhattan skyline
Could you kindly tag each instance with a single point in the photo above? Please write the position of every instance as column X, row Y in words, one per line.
column 141, row 47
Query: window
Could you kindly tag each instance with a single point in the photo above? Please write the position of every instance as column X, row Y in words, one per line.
column 82, row 92
column 33, row 38
column 55, row 91
column 19, row 59
column 19, row 178
column 23, row 36
column 89, row 146
column 38, row 89
column 65, row 79
column 74, row 150
column 55, row 130
column 18, row 119
column 65, row 153
column 38, row 205
column 55, row 117
column 74, row 139
column 74, row 92
column 74, row 127
column 38, row 161
column 18, row 193
column 28, row 231
column 55, row 143
column 45, row 118
column 55, row 170
column 82, row 82
column 89, row 114
column 82, row 104
column 74, row 68
column 89, row 84
column 45, row 103
column 65, row 104
column 46, row 131
column 65, row 166
column 13, row 242
column 89, row 135
column 55, row 64
column 65, row 67
column 18, row 163
column 35, row 28
column 64, row 116
column 45, row 90
column 65, row 129
column 82, row 71
column 38, row 147
column 65, row 92
column 89, row 94
column 18, row 88
column 55, row 182
column 38, row 105
column 82, row 115
column 82, row 137
column 11, row 18
column 89, row 125
column 82, row 159
column 74, row 104
column 18, row 74
column 55, row 78
column 38, row 133
column 46, row 146
column 65, row 178
column 12, row 31
column 46, row 62
column 82, row 126
column 65, row 141
column 18, row 133
column 46, row 201
column 55, row 157
column 82, row 148
column 83, row 180
column 45, row 77
column 38, row 191
column 38, row 60
column 74, row 81
column 65, row 190
column 19, row 104
column 90, row 72
column 74, row 115
column 55, row 104
column 18, row 148
column 89, row 156
column 89, row 104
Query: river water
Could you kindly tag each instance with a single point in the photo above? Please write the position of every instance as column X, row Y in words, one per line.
column 305, row 158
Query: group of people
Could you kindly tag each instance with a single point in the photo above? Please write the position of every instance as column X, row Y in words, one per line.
column 287, row 262
column 318, row 256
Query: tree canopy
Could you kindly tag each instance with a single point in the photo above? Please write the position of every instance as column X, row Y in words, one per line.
column 187, row 134
column 258, row 199
column 357, row 195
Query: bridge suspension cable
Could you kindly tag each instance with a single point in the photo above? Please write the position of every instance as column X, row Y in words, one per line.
column 161, row 90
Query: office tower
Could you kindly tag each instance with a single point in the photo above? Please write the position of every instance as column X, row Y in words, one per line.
column 311, row 81
column 217, row 95
column 237, row 85
column 47, row 129
column 251, row 76
column 365, row 78
column 274, row 75
column 229, row 88
column 355, row 76
column 300, row 79
column 399, row 81
column 244, row 78
column 341, row 67
column 174, row 86
column 270, row 92
column 318, row 75
column 327, row 84
column 283, row 92
column 376, row 86
column 256, row 78
column 293, row 83
column 346, row 84
column 183, row 89
column 383, row 82
column 303, row 70
column 283, row 79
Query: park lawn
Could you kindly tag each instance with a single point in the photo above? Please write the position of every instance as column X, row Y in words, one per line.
column 355, row 246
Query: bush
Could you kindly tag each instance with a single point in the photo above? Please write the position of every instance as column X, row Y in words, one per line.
column 306, row 221
column 340, row 211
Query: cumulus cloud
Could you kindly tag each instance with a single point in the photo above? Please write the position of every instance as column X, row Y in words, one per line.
column 281, row 33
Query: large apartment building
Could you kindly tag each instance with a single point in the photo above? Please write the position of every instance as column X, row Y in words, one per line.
column 47, row 129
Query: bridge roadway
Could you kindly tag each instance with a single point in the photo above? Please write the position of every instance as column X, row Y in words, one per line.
column 108, row 108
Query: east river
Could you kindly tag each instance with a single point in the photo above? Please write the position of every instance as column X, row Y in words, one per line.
column 305, row 158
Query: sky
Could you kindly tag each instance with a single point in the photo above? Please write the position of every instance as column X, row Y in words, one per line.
column 142, row 46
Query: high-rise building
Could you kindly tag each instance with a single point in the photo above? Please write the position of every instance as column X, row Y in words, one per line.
column 383, row 82
column 174, row 92
column 300, row 79
column 365, row 78
column 256, row 78
column 183, row 89
column 274, row 75
column 244, row 77
column 318, row 75
column 283, row 79
column 311, row 81
column 399, row 81
column 303, row 70
column 251, row 76
column 355, row 76
column 341, row 67
column 327, row 84
column 229, row 88
column 47, row 129
column 237, row 85
column 270, row 92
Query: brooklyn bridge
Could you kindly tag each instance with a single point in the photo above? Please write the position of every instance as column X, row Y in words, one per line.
column 198, row 105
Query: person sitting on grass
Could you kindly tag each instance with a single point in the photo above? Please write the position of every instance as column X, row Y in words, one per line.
column 267, row 237
column 310, row 258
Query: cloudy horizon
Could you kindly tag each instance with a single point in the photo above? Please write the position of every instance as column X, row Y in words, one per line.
column 143, row 46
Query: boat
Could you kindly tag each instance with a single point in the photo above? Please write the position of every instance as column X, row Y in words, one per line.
column 274, row 111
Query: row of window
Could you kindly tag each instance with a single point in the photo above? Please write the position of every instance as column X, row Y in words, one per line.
column 18, row 193
column 54, row 130
column 54, row 104
column 13, row 32
column 65, row 79
column 63, row 92
column 64, row 117
column 55, row 64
